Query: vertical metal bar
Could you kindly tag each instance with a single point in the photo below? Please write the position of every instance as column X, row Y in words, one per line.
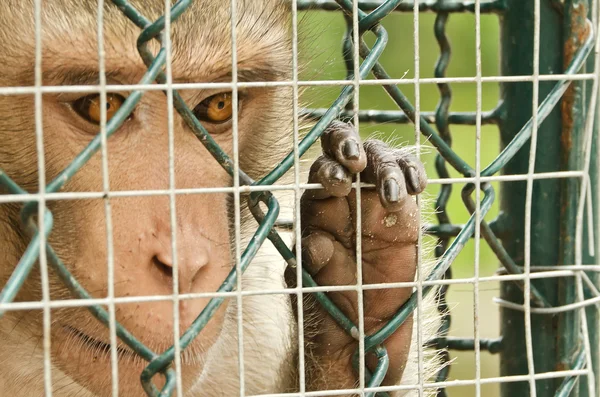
column 478, row 110
column 172, row 197
column 517, row 42
column 577, row 145
column 39, row 137
column 419, row 309
column 442, row 125
column 236, row 194
column 569, row 323
column 356, row 38
column 297, row 198
column 586, row 252
column 110, row 260
column 529, row 197
column 589, row 255
column 594, row 213
column 556, row 212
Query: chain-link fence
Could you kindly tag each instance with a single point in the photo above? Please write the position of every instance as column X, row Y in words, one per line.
column 543, row 237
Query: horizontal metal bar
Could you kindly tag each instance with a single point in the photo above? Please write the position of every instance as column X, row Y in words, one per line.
column 442, row 231
column 465, row 344
column 500, row 276
column 91, row 88
column 436, row 385
column 398, row 116
column 24, row 197
column 487, row 6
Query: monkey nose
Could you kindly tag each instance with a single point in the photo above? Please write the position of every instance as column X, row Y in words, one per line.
column 189, row 265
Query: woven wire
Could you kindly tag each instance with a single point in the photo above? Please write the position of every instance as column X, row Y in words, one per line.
column 362, row 16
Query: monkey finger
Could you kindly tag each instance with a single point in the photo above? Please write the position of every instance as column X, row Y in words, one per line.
column 414, row 173
column 317, row 250
column 391, row 187
column 336, row 179
column 383, row 171
column 341, row 141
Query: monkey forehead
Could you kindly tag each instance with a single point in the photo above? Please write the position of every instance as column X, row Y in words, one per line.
column 200, row 37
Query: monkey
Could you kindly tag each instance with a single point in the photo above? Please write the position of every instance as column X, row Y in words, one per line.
column 140, row 229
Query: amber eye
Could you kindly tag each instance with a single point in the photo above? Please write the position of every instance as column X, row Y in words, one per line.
column 215, row 109
column 88, row 107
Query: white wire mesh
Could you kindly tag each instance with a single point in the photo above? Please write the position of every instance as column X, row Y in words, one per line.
column 576, row 270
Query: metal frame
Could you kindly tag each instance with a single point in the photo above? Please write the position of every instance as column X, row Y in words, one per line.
column 550, row 366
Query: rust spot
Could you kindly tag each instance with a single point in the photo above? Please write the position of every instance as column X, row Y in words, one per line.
column 577, row 17
column 561, row 366
column 577, row 35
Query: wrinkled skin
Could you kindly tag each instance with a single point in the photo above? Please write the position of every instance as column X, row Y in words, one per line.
column 389, row 230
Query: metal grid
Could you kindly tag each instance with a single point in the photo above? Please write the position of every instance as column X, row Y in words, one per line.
column 362, row 16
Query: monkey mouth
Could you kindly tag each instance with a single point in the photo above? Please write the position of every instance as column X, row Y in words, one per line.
column 96, row 344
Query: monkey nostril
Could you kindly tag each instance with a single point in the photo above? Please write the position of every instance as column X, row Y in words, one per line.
column 164, row 268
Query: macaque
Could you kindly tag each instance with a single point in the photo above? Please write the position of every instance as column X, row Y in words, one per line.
column 141, row 227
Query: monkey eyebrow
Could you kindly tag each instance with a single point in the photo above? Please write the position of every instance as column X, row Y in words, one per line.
column 245, row 73
column 87, row 76
column 82, row 76
column 73, row 76
column 254, row 74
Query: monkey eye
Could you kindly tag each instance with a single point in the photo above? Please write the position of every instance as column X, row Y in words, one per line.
column 215, row 109
column 88, row 106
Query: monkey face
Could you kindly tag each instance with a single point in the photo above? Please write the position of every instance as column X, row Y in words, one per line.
column 145, row 221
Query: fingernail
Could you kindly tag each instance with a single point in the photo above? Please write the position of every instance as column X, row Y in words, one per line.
column 338, row 175
column 351, row 150
column 391, row 190
column 413, row 179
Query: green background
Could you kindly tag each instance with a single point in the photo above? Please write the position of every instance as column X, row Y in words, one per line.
column 321, row 59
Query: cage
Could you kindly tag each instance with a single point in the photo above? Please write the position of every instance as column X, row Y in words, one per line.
column 527, row 168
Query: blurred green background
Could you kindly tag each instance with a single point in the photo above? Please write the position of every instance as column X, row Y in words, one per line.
column 320, row 55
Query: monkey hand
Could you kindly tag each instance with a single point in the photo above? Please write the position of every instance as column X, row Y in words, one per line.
column 390, row 228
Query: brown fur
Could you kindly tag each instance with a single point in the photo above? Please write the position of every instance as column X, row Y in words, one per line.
column 141, row 225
